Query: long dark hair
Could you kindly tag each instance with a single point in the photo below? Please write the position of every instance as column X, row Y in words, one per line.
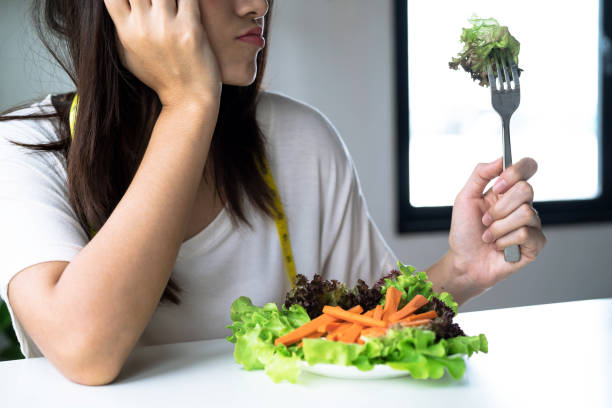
column 117, row 113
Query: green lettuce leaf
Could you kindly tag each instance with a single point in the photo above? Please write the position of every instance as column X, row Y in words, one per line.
column 411, row 349
column 254, row 330
column 486, row 38
column 412, row 283
column 331, row 352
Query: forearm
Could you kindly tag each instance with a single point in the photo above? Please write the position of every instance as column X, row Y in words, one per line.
column 109, row 292
column 448, row 276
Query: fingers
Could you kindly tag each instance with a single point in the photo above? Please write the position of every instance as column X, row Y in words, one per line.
column 167, row 6
column 117, row 9
column 511, row 219
column 524, row 216
column 519, row 193
column 120, row 8
column 531, row 241
column 521, row 170
column 140, row 4
column 189, row 8
column 481, row 176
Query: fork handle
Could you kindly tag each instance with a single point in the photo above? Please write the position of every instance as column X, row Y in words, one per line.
column 513, row 252
column 506, row 142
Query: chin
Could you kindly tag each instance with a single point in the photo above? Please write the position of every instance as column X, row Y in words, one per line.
column 244, row 78
column 241, row 82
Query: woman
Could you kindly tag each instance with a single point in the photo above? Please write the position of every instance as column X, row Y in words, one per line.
column 165, row 177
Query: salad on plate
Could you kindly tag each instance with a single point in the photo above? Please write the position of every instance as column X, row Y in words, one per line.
column 400, row 323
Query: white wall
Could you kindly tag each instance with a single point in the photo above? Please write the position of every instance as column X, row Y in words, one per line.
column 338, row 56
column 26, row 70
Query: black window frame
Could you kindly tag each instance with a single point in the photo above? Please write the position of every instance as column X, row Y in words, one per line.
column 599, row 209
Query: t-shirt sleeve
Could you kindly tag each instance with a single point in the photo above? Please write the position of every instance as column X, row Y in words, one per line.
column 353, row 247
column 38, row 223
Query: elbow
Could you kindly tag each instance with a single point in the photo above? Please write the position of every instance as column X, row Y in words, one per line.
column 89, row 366
column 93, row 376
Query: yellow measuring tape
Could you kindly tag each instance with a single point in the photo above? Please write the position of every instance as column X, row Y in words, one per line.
column 279, row 214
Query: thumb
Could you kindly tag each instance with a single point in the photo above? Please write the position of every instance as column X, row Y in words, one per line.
column 481, row 176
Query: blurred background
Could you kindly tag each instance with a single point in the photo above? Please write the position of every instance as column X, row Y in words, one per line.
column 339, row 56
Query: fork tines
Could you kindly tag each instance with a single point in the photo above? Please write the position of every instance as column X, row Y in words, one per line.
column 503, row 62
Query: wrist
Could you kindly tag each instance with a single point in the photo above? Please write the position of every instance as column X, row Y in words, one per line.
column 197, row 110
column 451, row 275
column 440, row 273
column 191, row 103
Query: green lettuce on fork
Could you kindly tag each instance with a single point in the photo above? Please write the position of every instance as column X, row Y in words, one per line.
column 485, row 39
column 424, row 351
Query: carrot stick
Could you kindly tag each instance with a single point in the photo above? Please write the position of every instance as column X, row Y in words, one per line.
column 351, row 334
column 415, row 303
column 392, row 299
column 373, row 332
column 340, row 328
column 360, row 341
column 414, row 322
column 369, row 313
column 356, row 309
column 427, row 315
column 378, row 311
column 304, row 330
column 314, row 335
column 336, row 333
column 308, row 328
column 339, row 313
column 329, row 327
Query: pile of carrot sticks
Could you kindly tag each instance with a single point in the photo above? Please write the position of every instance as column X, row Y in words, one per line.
column 350, row 326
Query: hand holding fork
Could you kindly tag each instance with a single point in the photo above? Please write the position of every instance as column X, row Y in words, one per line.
column 503, row 218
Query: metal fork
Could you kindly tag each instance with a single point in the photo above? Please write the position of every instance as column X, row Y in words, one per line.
column 505, row 99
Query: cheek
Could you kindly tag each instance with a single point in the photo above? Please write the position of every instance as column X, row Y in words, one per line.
column 211, row 7
column 215, row 23
column 220, row 46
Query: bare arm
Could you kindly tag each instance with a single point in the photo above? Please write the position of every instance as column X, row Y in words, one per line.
column 106, row 296
column 87, row 317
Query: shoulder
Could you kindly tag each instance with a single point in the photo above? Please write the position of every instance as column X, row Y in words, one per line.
column 297, row 125
column 289, row 112
column 30, row 131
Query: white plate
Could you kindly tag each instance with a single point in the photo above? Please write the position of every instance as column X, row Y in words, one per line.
column 352, row 372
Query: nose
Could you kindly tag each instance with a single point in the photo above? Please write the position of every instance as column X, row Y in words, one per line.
column 253, row 8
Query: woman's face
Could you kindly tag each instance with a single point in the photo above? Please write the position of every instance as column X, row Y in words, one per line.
column 226, row 20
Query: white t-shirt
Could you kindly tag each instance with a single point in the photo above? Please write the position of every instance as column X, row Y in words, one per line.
column 330, row 229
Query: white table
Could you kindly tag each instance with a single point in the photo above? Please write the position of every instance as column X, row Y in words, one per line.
column 556, row 355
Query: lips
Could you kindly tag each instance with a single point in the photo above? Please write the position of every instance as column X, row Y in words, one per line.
column 256, row 31
column 254, row 36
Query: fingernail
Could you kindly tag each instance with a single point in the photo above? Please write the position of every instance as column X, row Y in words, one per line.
column 487, row 236
column 487, row 220
column 499, row 186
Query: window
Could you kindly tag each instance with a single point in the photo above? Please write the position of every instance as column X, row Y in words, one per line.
column 446, row 123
